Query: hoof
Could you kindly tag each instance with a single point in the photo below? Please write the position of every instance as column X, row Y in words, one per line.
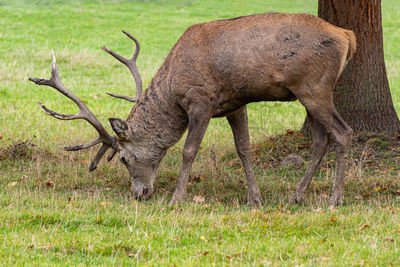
column 254, row 199
column 336, row 200
column 177, row 198
column 255, row 202
column 296, row 199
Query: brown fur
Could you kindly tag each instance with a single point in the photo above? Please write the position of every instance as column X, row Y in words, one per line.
column 217, row 67
column 214, row 70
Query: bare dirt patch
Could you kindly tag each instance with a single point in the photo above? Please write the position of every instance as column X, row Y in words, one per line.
column 24, row 150
column 370, row 149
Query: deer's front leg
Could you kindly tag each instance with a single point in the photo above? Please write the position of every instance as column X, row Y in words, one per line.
column 239, row 124
column 198, row 108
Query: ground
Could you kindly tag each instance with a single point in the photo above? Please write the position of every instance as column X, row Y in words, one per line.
column 53, row 212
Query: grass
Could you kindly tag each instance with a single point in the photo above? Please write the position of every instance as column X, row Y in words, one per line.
column 53, row 212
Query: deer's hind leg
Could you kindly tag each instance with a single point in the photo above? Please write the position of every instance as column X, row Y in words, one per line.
column 341, row 134
column 320, row 145
column 326, row 125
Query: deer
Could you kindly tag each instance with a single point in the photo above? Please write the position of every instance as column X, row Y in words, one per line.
column 214, row 70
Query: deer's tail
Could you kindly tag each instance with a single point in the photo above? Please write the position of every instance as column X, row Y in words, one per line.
column 352, row 44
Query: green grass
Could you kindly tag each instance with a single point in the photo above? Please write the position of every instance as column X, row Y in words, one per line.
column 53, row 212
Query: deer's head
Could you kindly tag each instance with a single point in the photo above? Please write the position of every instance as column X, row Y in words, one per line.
column 141, row 162
column 140, row 158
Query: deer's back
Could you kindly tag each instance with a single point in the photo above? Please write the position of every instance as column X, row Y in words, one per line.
column 255, row 58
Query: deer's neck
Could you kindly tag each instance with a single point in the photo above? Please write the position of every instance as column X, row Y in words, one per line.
column 157, row 120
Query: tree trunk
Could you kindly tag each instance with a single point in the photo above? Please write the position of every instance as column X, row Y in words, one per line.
column 362, row 94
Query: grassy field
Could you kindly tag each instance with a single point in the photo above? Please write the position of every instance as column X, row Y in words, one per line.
column 53, row 212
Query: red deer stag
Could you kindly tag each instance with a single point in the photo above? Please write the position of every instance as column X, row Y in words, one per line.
column 214, row 70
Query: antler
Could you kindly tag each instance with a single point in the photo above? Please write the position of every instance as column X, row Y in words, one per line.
column 131, row 64
column 84, row 113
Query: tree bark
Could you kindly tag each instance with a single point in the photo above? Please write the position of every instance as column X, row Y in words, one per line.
column 362, row 95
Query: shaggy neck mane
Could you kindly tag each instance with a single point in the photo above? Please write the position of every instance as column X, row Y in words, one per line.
column 157, row 119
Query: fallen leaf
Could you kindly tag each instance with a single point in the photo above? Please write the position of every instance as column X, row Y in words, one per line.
column 332, row 219
column 12, row 184
column 198, row 199
column 197, row 179
column 364, row 226
column 234, row 255
column 244, row 230
column 289, row 132
column 49, row 183
column 104, row 203
column 1, row 137
column 205, row 253
column 162, row 190
column 377, row 189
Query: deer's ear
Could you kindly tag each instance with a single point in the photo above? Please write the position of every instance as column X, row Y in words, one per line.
column 120, row 127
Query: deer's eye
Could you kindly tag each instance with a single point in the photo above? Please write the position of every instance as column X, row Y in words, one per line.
column 123, row 159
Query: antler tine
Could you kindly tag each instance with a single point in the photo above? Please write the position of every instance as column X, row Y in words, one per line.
column 125, row 97
column 80, row 147
column 112, row 154
column 137, row 50
column 100, row 153
column 131, row 64
column 84, row 113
